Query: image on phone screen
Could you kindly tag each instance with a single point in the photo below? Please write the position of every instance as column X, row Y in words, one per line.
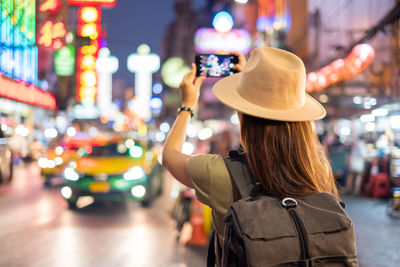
column 214, row 65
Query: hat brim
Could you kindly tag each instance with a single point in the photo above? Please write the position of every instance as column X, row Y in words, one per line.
column 225, row 91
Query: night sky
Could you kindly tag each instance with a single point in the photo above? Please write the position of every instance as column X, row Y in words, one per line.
column 133, row 22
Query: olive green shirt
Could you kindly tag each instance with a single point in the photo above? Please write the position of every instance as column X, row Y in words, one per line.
column 213, row 186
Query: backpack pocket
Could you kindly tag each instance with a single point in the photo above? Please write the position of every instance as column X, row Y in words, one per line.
column 267, row 233
column 330, row 231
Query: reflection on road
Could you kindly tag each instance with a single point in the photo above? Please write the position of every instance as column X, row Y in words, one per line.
column 39, row 230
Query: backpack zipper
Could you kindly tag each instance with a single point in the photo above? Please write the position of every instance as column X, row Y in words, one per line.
column 301, row 232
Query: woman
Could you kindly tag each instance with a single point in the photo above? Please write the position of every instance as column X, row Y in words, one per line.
column 275, row 115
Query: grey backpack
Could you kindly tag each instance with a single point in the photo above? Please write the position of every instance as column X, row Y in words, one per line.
column 265, row 231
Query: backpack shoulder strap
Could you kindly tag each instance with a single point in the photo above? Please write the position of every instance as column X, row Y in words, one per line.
column 240, row 173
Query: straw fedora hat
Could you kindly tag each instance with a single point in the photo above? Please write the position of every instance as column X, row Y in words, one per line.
column 271, row 86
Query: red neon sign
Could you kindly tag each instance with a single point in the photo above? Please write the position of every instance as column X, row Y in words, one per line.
column 50, row 5
column 90, row 30
column 29, row 94
column 89, row 14
column 50, row 34
column 100, row 3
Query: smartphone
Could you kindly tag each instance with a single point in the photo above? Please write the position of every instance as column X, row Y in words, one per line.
column 215, row 65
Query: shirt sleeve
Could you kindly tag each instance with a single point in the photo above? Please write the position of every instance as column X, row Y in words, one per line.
column 211, row 181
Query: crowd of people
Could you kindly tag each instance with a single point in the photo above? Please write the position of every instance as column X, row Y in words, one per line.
column 354, row 161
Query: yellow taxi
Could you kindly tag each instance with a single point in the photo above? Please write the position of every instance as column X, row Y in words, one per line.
column 70, row 149
column 124, row 170
column 53, row 164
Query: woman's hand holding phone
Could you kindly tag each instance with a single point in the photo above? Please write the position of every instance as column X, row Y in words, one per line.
column 241, row 61
column 219, row 65
column 190, row 85
column 190, row 88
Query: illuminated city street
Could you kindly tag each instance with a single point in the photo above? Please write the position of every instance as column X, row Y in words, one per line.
column 39, row 230
column 115, row 116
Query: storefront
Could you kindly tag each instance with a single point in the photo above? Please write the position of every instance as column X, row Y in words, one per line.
column 20, row 92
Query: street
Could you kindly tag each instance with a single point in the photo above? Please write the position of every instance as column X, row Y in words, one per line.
column 38, row 230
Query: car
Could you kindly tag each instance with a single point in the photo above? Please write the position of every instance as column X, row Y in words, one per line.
column 117, row 171
column 69, row 149
column 53, row 164
column 6, row 160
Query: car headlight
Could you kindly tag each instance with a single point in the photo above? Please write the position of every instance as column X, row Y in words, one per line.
column 71, row 174
column 58, row 161
column 138, row 191
column 46, row 163
column 134, row 173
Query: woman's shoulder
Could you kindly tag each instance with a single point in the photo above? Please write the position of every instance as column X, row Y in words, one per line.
column 206, row 158
column 211, row 179
column 205, row 162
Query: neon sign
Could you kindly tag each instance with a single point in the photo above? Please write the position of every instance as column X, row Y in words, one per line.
column 143, row 64
column 272, row 15
column 29, row 94
column 106, row 65
column 50, row 34
column 207, row 40
column 89, row 26
column 64, row 61
column 100, row 3
column 18, row 53
column 50, row 5
column 223, row 21
column 89, row 15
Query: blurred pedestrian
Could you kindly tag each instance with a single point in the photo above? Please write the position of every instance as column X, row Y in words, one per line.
column 356, row 162
column 338, row 158
column 283, row 151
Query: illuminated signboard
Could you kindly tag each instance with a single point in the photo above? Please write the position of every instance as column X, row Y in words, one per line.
column 143, row 64
column 64, row 61
column 29, row 94
column 18, row 53
column 52, row 31
column 208, row 40
column 272, row 15
column 51, row 34
column 106, row 65
column 89, row 15
column 100, row 3
column 89, row 26
column 50, row 5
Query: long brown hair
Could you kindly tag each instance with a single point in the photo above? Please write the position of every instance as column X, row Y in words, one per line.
column 286, row 158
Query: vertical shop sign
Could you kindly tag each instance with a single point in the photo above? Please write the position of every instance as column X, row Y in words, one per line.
column 64, row 61
column 53, row 31
column 98, row 3
column 18, row 53
column 89, row 26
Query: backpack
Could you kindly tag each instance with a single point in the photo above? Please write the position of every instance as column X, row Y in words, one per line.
column 265, row 231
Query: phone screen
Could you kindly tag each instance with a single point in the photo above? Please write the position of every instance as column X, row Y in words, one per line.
column 214, row 65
